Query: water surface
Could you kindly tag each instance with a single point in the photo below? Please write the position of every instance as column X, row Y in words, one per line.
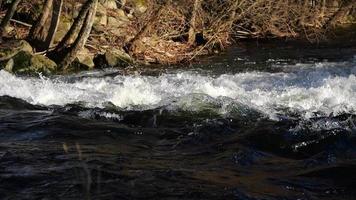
column 267, row 122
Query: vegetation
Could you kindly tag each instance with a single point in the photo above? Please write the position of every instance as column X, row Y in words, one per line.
column 159, row 31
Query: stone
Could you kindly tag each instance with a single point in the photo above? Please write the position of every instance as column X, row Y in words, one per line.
column 117, row 58
column 22, row 61
column 140, row 6
column 86, row 58
column 114, row 22
column 26, row 63
column 121, row 13
column 101, row 17
column 63, row 27
column 109, row 4
column 9, row 65
column 40, row 63
column 11, row 48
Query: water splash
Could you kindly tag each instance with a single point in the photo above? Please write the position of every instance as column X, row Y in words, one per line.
column 307, row 90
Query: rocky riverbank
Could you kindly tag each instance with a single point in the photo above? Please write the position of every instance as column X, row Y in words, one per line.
column 126, row 33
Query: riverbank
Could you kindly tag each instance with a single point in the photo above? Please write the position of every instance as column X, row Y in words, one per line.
column 127, row 33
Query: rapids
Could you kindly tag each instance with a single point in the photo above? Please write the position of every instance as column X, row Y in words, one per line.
column 269, row 125
column 318, row 89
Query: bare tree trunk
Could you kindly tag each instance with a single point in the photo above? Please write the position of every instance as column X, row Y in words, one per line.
column 78, row 22
column 56, row 14
column 42, row 33
column 9, row 14
column 193, row 23
column 39, row 31
column 83, row 35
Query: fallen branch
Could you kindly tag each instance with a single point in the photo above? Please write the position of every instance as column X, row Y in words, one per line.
column 20, row 22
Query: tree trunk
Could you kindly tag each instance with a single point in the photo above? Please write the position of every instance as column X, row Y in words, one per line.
column 74, row 29
column 0, row 4
column 10, row 12
column 39, row 31
column 56, row 14
column 193, row 23
column 83, row 35
column 42, row 33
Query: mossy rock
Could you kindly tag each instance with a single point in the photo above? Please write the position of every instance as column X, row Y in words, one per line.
column 40, row 63
column 11, row 48
column 26, row 63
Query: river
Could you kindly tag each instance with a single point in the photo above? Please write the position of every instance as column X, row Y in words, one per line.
column 269, row 121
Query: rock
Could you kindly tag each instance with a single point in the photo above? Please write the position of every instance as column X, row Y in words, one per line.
column 63, row 27
column 101, row 17
column 11, row 48
column 86, row 58
column 121, row 13
column 109, row 4
column 40, row 63
column 114, row 22
column 26, row 63
column 21, row 61
column 140, row 6
column 117, row 58
column 9, row 65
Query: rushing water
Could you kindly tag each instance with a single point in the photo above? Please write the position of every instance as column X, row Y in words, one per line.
column 263, row 123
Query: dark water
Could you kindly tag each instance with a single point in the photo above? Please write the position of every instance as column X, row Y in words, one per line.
column 184, row 133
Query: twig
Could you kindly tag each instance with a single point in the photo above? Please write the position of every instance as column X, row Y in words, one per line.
column 20, row 22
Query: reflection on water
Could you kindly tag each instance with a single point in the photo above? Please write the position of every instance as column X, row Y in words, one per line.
column 277, row 124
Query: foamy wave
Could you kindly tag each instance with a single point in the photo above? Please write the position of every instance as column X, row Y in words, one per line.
column 323, row 88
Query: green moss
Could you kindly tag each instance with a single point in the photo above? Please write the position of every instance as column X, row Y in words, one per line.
column 25, row 63
column 11, row 48
column 22, row 60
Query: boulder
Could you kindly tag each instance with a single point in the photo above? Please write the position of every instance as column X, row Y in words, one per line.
column 101, row 17
column 11, row 48
column 63, row 27
column 109, row 4
column 140, row 6
column 85, row 58
column 114, row 23
column 9, row 65
column 121, row 13
column 26, row 63
column 117, row 58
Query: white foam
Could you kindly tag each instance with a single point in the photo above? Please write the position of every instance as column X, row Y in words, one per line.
column 325, row 88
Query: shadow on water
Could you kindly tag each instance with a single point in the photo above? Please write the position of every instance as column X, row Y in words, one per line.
column 76, row 152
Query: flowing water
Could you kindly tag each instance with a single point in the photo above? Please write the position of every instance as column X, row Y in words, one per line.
column 271, row 122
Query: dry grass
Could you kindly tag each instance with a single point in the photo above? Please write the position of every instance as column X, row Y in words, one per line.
column 221, row 21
